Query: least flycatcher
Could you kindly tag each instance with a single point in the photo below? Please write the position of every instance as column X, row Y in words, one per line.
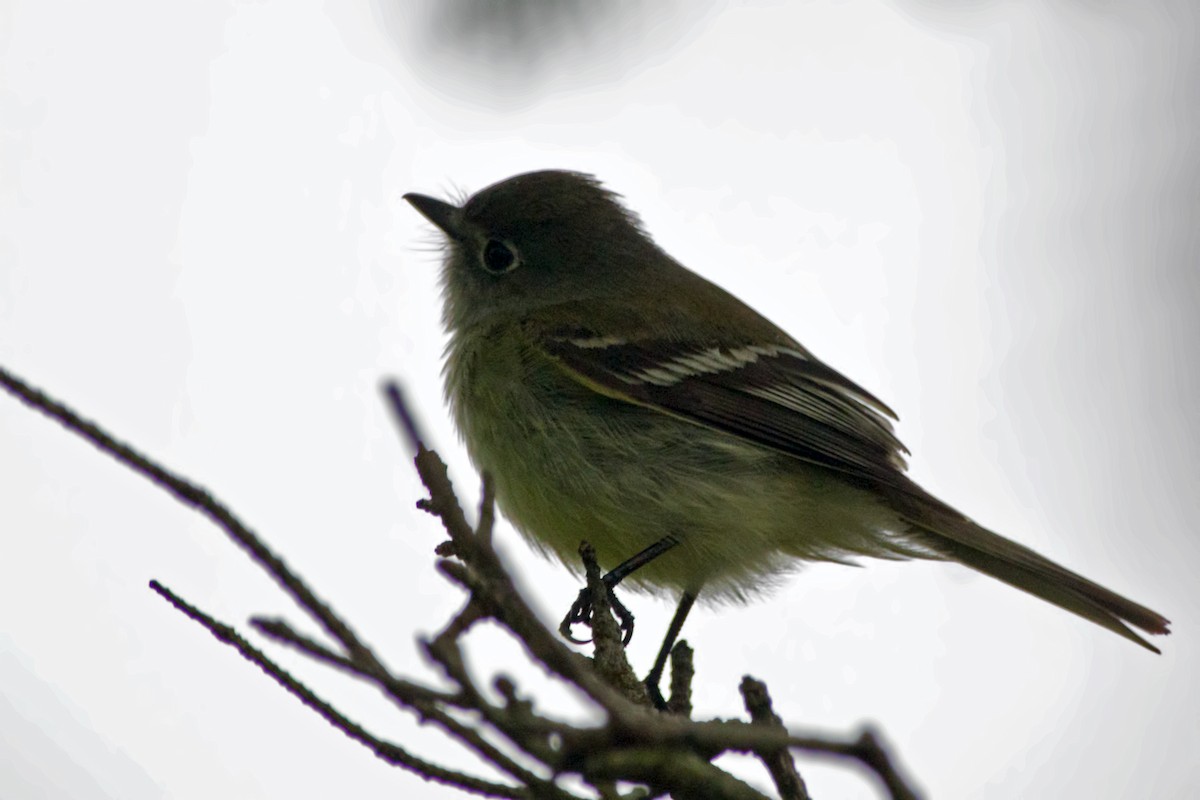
column 616, row 397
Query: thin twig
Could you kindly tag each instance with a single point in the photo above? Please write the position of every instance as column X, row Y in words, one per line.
column 668, row 732
column 682, row 772
column 198, row 498
column 426, row 702
column 445, row 650
column 779, row 761
column 873, row 754
column 283, row 633
column 391, row 753
column 682, row 672
column 404, row 417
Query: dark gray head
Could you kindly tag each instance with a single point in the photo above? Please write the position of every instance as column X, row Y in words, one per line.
column 533, row 240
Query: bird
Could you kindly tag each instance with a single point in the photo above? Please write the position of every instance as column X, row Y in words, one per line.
column 617, row 397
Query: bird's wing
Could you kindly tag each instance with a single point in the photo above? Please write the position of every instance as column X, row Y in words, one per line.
column 777, row 395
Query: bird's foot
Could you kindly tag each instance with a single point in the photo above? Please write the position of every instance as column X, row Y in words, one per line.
column 582, row 610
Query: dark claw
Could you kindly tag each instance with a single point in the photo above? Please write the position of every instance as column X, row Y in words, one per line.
column 581, row 613
column 624, row 616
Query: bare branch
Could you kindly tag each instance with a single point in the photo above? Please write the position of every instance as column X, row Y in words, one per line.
column 391, row 753
column 779, row 763
column 682, row 671
column 282, row 632
column 198, row 498
column 681, row 772
column 404, row 417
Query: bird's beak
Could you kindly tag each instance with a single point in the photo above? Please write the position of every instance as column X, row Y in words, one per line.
column 439, row 212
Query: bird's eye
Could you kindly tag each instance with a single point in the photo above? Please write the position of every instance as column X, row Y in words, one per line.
column 498, row 257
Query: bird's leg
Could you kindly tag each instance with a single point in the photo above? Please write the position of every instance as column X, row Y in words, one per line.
column 581, row 610
column 654, row 677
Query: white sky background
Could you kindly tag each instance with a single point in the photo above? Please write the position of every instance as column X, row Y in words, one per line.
column 985, row 216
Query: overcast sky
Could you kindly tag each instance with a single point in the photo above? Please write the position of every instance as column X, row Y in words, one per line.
column 987, row 216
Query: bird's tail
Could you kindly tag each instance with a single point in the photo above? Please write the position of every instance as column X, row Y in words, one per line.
column 950, row 534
